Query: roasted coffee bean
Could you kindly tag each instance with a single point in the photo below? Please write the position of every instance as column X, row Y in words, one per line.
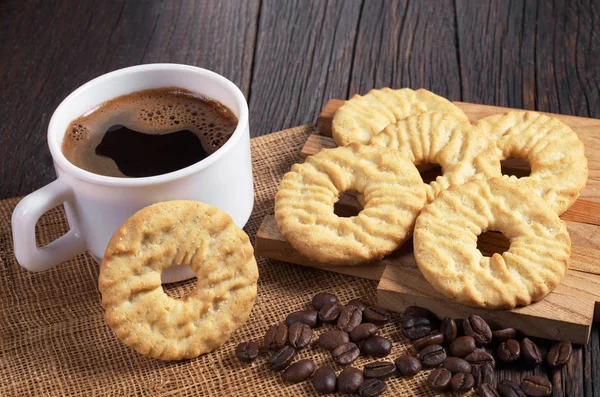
column 299, row 335
column 462, row 346
column 536, row 386
column 439, row 379
column 530, row 352
column 408, row 365
column 455, row 365
column 376, row 315
column 276, row 337
column 482, row 374
column 462, row 382
column 376, row 346
column 299, row 371
column 282, row 358
column 480, row 357
column 349, row 380
column 363, row 331
column 502, row 335
column 448, row 329
column 247, row 351
column 379, row 369
column 350, row 317
column 360, row 305
column 417, row 327
column 345, row 354
column 508, row 388
column 476, row 327
column 331, row 339
column 324, row 380
column 559, row 354
column 487, row 390
column 330, row 312
column 418, row 312
column 432, row 356
column 372, row 387
column 308, row 317
column 460, row 331
column 431, row 339
column 322, row 298
column 509, row 351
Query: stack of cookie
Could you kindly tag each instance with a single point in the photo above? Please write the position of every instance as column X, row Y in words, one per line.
column 383, row 137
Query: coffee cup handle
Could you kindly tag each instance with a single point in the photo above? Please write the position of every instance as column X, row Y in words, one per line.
column 24, row 218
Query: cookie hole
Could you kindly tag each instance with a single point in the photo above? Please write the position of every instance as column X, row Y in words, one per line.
column 347, row 205
column 429, row 171
column 492, row 242
column 180, row 289
column 516, row 166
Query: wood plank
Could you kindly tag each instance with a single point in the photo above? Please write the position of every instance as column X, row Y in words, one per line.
column 565, row 314
column 396, row 46
column 326, row 115
column 303, row 57
column 50, row 58
column 493, row 71
column 570, row 86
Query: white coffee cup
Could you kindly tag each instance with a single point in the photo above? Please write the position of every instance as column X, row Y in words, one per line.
column 97, row 205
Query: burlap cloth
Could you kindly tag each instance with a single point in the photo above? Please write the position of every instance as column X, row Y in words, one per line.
column 54, row 341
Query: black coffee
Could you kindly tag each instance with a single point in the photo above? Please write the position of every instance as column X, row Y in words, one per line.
column 148, row 133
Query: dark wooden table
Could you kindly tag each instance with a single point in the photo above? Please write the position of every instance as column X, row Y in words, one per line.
column 289, row 58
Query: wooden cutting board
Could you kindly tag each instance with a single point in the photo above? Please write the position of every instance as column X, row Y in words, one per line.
column 565, row 314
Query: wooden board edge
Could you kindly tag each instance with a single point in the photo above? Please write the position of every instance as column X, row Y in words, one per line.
column 574, row 324
column 536, row 325
column 576, row 329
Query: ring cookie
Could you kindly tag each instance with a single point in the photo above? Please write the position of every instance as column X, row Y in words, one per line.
column 445, row 245
column 362, row 117
column 558, row 164
column 393, row 191
column 181, row 233
column 442, row 138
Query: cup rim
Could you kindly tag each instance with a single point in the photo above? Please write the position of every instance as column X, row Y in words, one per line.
column 79, row 173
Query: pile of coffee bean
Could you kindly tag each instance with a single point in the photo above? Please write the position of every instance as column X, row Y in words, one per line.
column 462, row 353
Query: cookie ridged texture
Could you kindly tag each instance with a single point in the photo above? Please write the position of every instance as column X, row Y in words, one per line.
column 394, row 195
column 362, row 117
column 445, row 245
column 559, row 168
column 183, row 233
column 442, row 138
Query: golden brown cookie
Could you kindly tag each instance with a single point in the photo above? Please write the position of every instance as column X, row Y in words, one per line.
column 445, row 244
column 394, row 194
column 183, row 233
column 558, row 164
column 444, row 139
column 362, row 117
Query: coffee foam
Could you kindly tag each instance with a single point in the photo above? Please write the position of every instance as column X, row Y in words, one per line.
column 155, row 111
column 160, row 111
